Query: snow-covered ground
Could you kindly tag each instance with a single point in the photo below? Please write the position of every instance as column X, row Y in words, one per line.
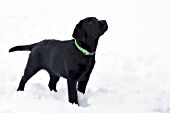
column 132, row 71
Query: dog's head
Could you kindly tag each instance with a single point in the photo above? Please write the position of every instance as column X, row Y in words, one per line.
column 89, row 30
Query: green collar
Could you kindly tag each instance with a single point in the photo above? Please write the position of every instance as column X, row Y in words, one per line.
column 84, row 51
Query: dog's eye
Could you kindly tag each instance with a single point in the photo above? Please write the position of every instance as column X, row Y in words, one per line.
column 91, row 22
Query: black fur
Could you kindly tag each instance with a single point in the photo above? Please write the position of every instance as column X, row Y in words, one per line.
column 62, row 58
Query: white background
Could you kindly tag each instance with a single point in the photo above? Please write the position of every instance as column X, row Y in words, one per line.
column 133, row 58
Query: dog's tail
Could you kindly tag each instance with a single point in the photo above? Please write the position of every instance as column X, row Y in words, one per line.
column 23, row 48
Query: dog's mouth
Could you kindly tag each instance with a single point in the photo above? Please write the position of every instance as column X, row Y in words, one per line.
column 103, row 25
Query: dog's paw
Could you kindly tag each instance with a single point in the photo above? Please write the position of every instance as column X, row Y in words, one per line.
column 52, row 87
column 20, row 89
column 53, row 90
column 74, row 102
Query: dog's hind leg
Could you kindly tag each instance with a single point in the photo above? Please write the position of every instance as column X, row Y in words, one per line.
column 53, row 82
column 32, row 68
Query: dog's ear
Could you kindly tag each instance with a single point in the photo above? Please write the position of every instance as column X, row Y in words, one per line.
column 79, row 33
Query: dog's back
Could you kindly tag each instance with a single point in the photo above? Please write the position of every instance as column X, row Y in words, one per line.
column 53, row 55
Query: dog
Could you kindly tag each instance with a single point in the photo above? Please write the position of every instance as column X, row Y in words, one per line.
column 72, row 59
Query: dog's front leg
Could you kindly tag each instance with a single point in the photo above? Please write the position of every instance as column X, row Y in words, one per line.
column 72, row 92
column 82, row 83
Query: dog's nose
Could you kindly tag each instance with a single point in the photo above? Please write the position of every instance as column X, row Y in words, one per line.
column 104, row 24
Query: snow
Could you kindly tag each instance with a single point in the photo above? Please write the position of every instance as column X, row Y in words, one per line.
column 131, row 74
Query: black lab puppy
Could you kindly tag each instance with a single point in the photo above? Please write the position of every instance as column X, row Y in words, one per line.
column 72, row 59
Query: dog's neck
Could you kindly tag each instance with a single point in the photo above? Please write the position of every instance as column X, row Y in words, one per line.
column 89, row 47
